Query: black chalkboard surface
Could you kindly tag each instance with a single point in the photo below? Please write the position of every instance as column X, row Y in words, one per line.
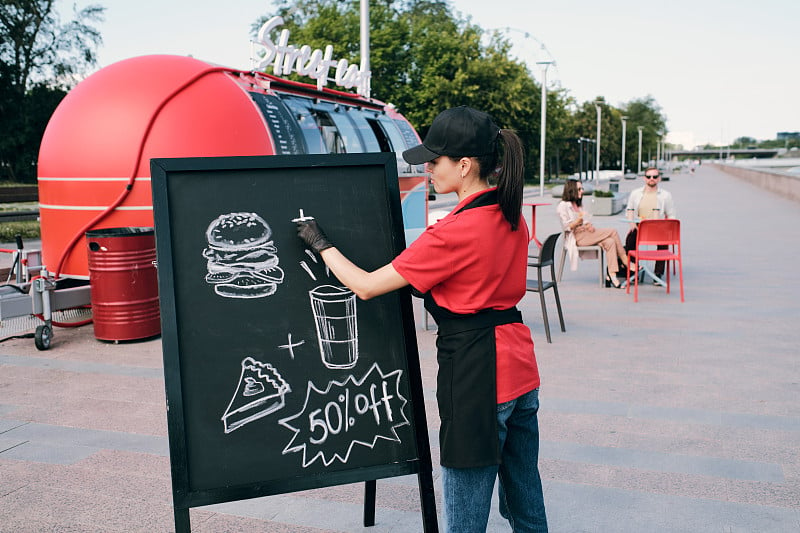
column 279, row 379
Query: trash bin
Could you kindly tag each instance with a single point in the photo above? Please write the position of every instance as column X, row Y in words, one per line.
column 124, row 283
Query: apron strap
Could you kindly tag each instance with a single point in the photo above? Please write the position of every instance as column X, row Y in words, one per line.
column 451, row 323
column 486, row 318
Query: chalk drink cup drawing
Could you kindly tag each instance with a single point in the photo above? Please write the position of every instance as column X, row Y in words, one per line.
column 337, row 329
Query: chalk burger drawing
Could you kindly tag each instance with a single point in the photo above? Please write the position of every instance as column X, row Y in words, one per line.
column 242, row 259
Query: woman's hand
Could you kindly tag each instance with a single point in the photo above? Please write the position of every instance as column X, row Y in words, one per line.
column 364, row 284
column 313, row 236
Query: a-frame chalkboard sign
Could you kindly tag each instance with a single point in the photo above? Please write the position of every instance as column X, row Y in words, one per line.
column 277, row 378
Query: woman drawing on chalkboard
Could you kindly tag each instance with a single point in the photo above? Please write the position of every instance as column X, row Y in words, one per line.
column 471, row 267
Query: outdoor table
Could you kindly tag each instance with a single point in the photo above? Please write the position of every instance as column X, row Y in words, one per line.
column 533, row 221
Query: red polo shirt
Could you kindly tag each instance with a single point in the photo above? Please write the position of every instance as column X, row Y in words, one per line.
column 471, row 261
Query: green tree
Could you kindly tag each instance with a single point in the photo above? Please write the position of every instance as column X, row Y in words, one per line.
column 745, row 142
column 40, row 59
column 41, row 48
column 424, row 60
column 562, row 155
column 644, row 113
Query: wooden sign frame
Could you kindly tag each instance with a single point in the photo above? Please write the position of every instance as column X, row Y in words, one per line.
column 203, row 272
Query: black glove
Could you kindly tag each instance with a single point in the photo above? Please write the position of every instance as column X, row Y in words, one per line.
column 311, row 234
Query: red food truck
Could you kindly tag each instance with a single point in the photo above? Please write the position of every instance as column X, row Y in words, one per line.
column 94, row 161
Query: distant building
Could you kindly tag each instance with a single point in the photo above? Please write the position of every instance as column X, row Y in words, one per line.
column 788, row 135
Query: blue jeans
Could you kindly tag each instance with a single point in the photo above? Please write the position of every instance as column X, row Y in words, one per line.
column 468, row 491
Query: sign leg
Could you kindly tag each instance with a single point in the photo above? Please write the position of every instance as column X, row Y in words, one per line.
column 369, row 502
column 427, row 498
column 182, row 524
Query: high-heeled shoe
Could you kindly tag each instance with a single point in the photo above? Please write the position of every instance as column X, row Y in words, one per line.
column 612, row 281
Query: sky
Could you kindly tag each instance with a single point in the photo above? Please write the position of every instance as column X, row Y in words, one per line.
column 719, row 69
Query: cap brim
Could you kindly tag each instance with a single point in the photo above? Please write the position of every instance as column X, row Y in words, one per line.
column 419, row 155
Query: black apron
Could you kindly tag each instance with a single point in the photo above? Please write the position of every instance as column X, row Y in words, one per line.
column 466, row 388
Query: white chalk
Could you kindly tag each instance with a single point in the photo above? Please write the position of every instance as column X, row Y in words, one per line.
column 302, row 217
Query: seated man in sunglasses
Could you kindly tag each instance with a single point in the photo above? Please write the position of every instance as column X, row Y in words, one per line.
column 649, row 202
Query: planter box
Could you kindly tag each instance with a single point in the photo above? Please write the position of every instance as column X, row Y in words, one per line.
column 609, row 206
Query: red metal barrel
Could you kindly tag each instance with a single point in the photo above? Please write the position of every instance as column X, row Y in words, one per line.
column 124, row 282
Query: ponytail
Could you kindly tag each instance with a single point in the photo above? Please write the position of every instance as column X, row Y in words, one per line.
column 510, row 175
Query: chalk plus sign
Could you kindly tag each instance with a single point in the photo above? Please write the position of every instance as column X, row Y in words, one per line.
column 290, row 346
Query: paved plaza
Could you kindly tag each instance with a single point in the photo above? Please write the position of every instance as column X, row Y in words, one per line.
column 656, row 416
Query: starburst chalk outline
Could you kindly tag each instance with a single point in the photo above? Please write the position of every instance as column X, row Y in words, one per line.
column 327, row 462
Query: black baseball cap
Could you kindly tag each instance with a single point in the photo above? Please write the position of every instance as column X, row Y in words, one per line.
column 456, row 132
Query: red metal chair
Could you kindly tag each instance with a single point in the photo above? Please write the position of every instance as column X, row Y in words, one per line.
column 665, row 231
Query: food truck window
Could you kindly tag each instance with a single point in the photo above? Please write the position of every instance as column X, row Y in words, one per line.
column 380, row 135
column 301, row 108
column 410, row 138
column 398, row 144
column 346, row 129
column 372, row 141
column 283, row 127
column 334, row 143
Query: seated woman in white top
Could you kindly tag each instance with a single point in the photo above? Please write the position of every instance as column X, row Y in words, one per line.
column 582, row 233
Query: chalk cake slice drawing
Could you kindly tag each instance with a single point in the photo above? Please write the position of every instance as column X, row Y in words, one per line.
column 336, row 321
column 345, row 413
column 242, row 260
column 261, row 391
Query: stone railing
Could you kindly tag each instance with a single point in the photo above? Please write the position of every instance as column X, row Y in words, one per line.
column 786, row 185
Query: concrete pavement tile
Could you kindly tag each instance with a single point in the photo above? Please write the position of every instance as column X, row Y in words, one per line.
column 387, row 495
column 147, row 513
column 39, row 452
column 129, row 463
column 585, row 508
column 587, row 429
column 337, row 516
column 6, row 409
column 80, row 366
column 32, row 525
column 37, row 502
column 724, row 442
column 706, row 487
column 662, row 462
column 792, row 473
column 128, row 486
column 59, row 383
column 572, row 472
column 222, row 523
column 11, row 478
column 103, row 416
column 64, row 508
column 78, row 436
column 8, row 424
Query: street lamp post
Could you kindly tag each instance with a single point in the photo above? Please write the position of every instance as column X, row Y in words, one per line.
column 597, row 157
column 584, row 145
column 624, row 120
column 583, row 164
column 639, row 165
column 658, row 151
column 543, row 129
